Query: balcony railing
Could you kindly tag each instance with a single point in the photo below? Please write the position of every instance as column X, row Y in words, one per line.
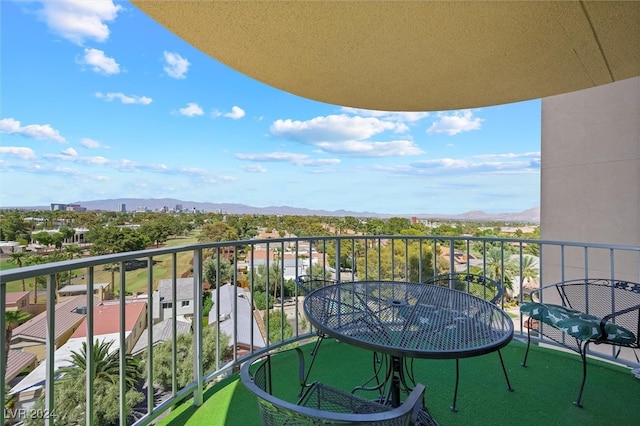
column 249, row 327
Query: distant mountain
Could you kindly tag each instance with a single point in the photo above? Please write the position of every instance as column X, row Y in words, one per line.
column 530, row 215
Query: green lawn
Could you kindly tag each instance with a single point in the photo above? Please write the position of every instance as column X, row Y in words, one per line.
column 544, row 391
column 137, row 279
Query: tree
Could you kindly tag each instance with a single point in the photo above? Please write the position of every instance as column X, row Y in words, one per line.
column 16, row 259
column 210, row 273
column 43, row 238
column 157, row 231
column 113, row 239
column 106, row 364
column 278, row 321
column 67, row 232
column 69, row 397
column 38, row 282
column 497, row 267
column 217, row 231
column 162, row 352
column 12, row 320
column 12, row 226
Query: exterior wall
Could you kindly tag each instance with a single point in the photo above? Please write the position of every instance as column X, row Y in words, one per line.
column 161, row 314
column 590, row 179
column 138, row 329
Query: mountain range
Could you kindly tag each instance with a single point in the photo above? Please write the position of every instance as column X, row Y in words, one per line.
column 528, row 216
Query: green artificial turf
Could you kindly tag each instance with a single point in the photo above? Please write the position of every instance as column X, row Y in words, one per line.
column 544, row 391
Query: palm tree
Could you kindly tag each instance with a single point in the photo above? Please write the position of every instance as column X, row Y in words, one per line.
column 72, row 251
column 529, row 268
column 16, row 259
column 106, row 365
column 35, row 260
column 497, row 267
column 12, row 320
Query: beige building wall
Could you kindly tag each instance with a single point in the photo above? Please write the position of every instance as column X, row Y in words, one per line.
column 590, row 180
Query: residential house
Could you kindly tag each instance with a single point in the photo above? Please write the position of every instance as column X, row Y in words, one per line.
column 163, row 299
column 31, row 336
column 17, row 300
column 234, row 312
column 18, row 362
column 162, row 332
column 106, row 321
column 100, row 290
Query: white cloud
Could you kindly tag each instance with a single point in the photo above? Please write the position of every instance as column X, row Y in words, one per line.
column 254, row 168
column 331, row 128
column 19, row 152
column 192, row 109
column 372, row 149
column 408, row 116
column 236, row 113
column 78, row 20
column 288, row 157
column 124, row 98
column 343, row 134
column 99, row 62
column 91, row 143
column 454, row 123
column 32, row 131
column 70, row 152
column 176, row 66
column 526, row 163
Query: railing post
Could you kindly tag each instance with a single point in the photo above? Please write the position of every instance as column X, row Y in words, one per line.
column 338, row 260
column 123, row 346
column 174, row 325
column 50, row 367
column 3, row 363
column 197, row 328
column 89, row 361
column 150, row 381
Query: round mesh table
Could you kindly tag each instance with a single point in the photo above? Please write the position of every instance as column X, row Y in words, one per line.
column 408, row 320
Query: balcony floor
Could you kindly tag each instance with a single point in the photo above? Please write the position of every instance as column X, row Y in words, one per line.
column 544, row 391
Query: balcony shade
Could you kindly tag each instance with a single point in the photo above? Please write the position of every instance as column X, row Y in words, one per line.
column 414, row 55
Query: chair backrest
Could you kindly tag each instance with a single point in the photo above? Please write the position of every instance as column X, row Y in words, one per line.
column 307, row 283
column 256, row 376
column 476, row 284
column 601, row 297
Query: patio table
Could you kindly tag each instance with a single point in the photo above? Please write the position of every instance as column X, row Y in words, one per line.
column 407, row 320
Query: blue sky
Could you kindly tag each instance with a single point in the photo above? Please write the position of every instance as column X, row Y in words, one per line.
column 98, row 101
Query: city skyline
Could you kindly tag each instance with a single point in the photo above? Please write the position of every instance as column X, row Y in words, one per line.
column 119, row 107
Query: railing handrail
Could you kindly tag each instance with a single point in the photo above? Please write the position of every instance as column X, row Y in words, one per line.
column 370, row 255
column 26, row 272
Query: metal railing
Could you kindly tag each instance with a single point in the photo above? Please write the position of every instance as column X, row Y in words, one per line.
column 402, row 258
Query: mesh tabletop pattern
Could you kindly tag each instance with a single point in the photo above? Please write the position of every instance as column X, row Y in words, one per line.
column 409, row 319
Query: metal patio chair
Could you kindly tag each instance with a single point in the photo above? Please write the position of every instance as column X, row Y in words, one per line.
column 306, row 284
column 482, row 287
column 320, row 404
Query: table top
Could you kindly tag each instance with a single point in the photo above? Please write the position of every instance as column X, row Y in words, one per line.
column 409, row 319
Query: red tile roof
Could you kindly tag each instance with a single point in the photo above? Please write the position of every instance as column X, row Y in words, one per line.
column 106, row 318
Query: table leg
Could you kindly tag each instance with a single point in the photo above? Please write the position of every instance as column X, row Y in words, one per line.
column 395, row 381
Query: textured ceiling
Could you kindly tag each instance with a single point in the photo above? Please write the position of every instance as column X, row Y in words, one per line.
column 414, row 55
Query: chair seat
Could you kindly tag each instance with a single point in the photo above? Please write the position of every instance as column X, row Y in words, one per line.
column 577, row 324
column 328, row 398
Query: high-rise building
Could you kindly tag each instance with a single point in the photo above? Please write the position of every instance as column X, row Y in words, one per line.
column 58, row 206
column 122, row 208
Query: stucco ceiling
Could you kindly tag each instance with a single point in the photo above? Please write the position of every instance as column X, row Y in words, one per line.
column 414, row 55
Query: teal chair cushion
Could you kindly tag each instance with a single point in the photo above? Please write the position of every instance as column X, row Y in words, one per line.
column 575, row 323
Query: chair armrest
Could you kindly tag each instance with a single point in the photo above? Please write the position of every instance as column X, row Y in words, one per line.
column 607, row 318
